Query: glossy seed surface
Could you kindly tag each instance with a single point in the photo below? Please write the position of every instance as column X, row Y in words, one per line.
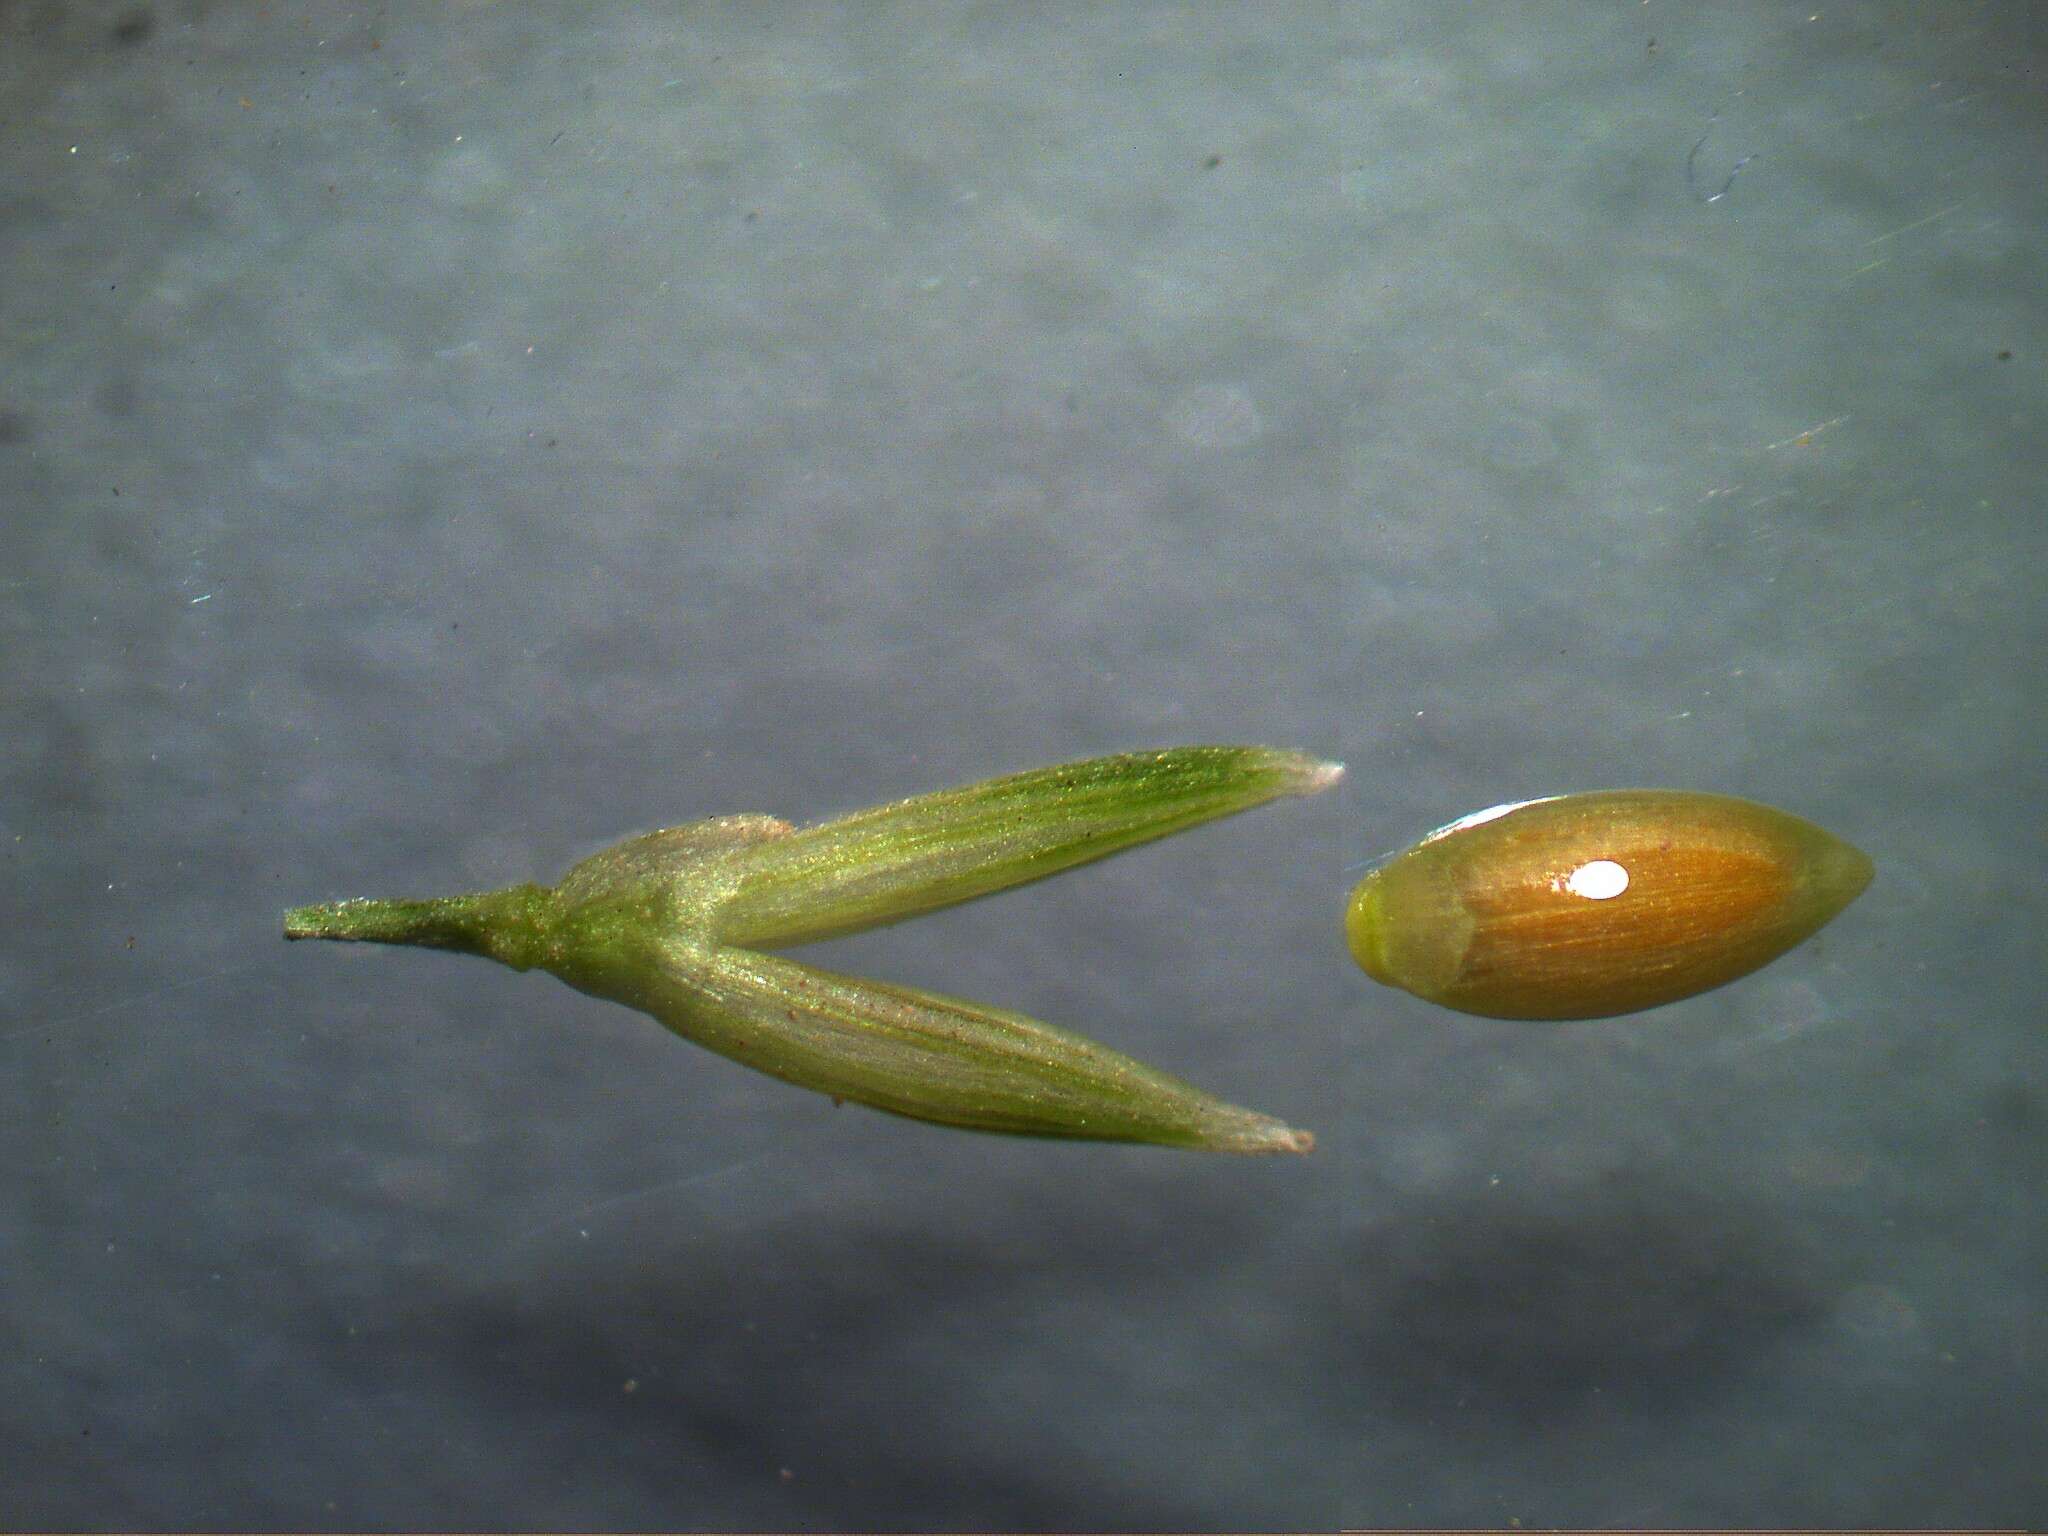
column 1582, row 906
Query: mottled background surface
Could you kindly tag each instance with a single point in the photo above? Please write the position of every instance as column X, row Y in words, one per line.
column 439, row 438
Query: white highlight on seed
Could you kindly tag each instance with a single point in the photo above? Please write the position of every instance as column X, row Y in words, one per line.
column 1480, row 818
column 1601, row 880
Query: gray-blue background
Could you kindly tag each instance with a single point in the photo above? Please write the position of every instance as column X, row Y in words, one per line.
column 437, row 439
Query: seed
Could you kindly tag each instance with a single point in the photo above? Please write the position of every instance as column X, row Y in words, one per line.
column 1581, row 906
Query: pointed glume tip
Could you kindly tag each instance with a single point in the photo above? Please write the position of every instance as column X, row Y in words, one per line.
column 1319, row 776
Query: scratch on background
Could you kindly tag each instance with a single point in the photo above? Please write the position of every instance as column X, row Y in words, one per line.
column 123, row 1004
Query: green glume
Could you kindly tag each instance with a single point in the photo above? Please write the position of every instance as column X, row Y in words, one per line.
column 677, row 923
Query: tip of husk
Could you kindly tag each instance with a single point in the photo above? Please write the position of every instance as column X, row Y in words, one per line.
column 1301, row 1143
column 1312, row 775
column 1258, row 1136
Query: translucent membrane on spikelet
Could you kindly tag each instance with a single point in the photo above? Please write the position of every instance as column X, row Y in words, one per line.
column 1581, row 906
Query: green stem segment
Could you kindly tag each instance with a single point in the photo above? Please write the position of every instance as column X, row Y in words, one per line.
column 509, row 926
